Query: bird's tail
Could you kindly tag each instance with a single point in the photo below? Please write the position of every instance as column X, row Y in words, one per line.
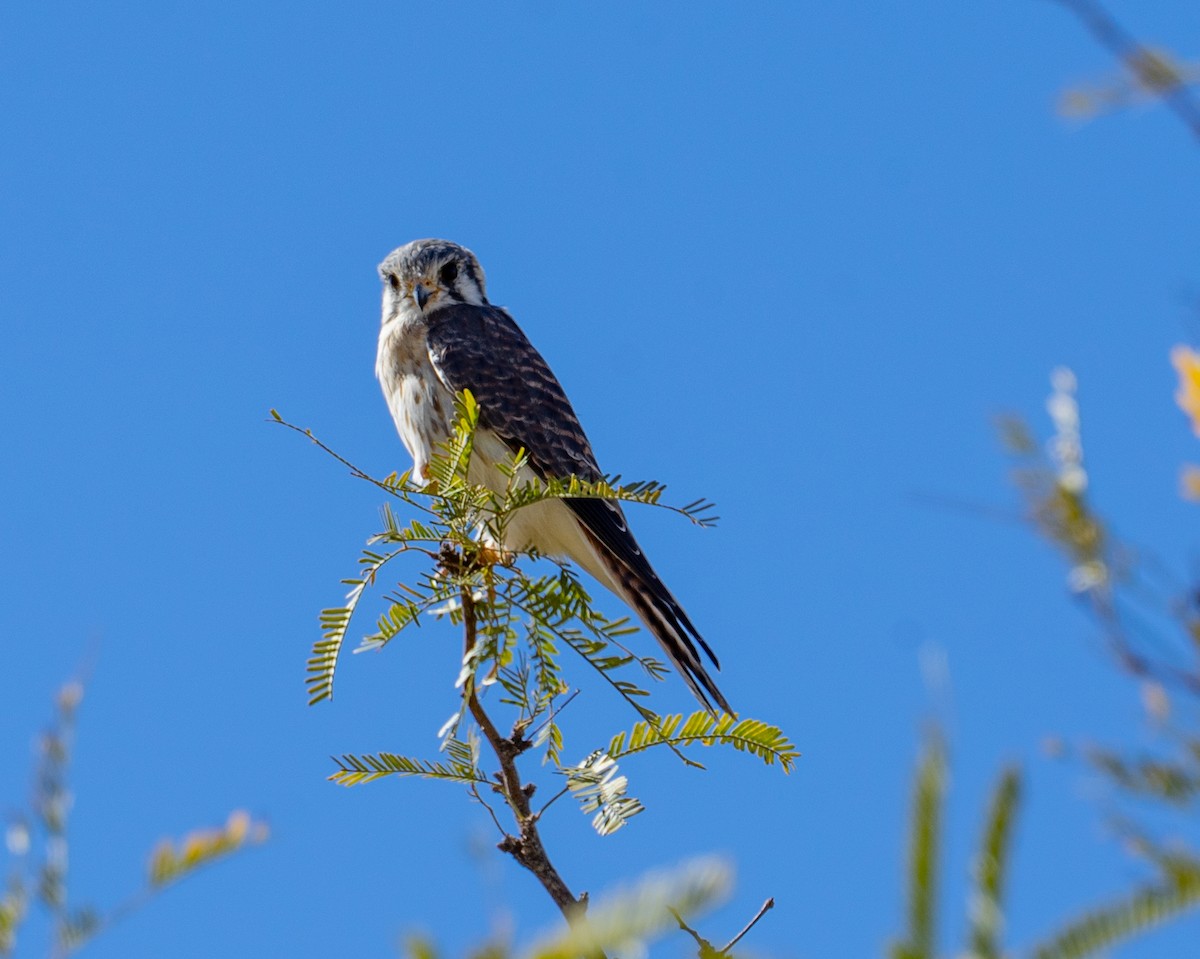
column 660, row 612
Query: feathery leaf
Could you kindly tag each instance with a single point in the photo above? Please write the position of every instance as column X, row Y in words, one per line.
column 759, row 739
column 595, row 783
column 928, row 793
column 355, row 770
column 987, row 916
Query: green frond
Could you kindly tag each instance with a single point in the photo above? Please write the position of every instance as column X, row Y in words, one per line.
column 593, row 650
column 516, row 680
column 1175, row 782
column 647, row 493
column 355, row 770
column 1096, row 932
column 415, row 532
column 391, row 623
column 1181, row 869
column 420, row 947
column 551, row 601
column 928, row 793
column 322, row 664
column 13, row 908
column 76, row 928
column 172, row 861
column 598, row 788
column 702, row 728
column 550, row 736
column 547, row 672
column 622, row 923
column 448, row 467
column 464, row 754
column 990, row 868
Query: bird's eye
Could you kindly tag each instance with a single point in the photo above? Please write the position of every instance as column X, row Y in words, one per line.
column 448, row 273
column 394, row 281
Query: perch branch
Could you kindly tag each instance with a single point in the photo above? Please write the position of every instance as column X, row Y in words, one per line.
column 525, row 847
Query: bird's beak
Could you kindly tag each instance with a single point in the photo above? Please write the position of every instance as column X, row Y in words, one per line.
column 421, row 295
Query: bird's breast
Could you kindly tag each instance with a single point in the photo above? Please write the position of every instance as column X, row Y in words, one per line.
column 421, row 405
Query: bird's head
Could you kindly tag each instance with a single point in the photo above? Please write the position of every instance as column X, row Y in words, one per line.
column 424, row 275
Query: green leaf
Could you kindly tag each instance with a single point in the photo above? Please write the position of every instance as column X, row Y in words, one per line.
column 13, row 908
column 990, row 869
column 75, row 928
column 1103, row 928
column 647, row 492
column 322, row 663
column 1175, row 782
column 171, row 861
column 355, row 770
column 928, row 794
column 752, row 736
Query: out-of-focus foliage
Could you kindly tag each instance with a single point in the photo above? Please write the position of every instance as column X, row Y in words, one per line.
column 38, row 848
column 1187, row 364
column 1148, row 616
column 1174, row 890
column 1148, row 75
column 924, row 837
column 623, row 922
column 1054, row 483
column 171, row 861
column 1150, row 619
column 990, row 869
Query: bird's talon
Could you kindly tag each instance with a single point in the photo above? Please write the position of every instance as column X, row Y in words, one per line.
column 492, row 556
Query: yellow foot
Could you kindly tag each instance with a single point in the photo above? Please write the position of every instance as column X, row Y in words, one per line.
column 494, row 556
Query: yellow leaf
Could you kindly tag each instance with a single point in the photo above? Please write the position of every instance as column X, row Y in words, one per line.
column 1187, row 364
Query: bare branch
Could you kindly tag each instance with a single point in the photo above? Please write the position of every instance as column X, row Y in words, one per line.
column 1151, row 70
column 706, row 948
column 526, row 847
column 766, row 907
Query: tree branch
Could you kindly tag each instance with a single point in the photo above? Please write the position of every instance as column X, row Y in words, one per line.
column 526, row 847
column 766, row 907
column 1147, row 66
column 706, row 950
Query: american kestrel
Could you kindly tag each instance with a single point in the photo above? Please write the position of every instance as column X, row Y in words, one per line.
column 440, row 335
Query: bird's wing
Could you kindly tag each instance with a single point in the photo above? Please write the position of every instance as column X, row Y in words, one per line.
column 481, row 349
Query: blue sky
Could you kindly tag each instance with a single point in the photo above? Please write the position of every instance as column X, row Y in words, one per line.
column 793, row 259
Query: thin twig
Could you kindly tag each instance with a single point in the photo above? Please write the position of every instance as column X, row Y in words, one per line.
column 766, row 907
column 550, row 802
column 707, row 950
column 398, row 490
column 486, row 805
column 1126, row 48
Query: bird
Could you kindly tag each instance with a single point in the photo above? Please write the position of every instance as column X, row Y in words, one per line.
column 440, row 336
